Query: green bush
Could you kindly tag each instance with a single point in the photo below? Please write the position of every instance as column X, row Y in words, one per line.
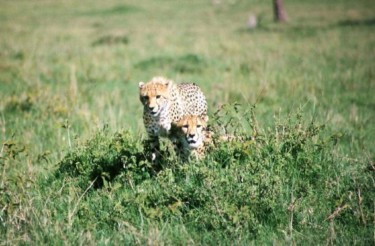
column 280, row 177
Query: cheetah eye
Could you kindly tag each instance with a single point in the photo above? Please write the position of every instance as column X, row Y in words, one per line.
column 185, row 126
column 199, row 126
column 158, row 96
column 145, row 97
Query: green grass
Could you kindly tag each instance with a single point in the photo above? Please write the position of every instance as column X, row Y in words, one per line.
column 72, row 162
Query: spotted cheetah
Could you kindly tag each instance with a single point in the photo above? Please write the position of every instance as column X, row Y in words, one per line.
column 165, row 103
column 192, row 136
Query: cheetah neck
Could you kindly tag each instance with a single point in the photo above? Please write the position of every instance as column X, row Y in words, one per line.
column 164, row 120
column 176, row 105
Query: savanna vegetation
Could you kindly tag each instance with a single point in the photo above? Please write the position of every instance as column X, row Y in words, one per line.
column 73, row 166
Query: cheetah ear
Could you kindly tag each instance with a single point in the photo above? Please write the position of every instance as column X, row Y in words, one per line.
column 141, row 84
column 204, row 118
column 168, row 83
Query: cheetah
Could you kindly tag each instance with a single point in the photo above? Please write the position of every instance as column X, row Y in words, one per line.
column 165, row 103
column 192, row 136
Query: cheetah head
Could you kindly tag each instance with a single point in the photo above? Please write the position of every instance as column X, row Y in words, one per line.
column 192, row 128
column 154, row 95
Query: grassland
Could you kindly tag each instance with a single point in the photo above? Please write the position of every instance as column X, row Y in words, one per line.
column 72, row 166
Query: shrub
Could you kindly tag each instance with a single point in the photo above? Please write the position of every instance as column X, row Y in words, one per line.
column 282, row 177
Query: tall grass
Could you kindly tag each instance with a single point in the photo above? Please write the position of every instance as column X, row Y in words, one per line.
column 72, row 163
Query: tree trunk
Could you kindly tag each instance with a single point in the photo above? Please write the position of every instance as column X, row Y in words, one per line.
column 279, row 11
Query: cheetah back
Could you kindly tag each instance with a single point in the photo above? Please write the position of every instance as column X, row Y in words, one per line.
column 193, row 100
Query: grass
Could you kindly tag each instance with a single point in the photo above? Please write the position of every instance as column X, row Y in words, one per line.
column 72, row 162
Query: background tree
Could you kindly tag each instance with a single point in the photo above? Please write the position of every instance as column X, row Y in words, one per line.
column 279, row 11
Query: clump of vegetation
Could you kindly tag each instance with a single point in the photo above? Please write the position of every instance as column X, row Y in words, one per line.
column 242, row 189
column 111, row 40
column 22, row 102
column 102, row 157
column 189, row 63
column 115, row 10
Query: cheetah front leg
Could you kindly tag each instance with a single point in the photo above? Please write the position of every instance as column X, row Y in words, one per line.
column 179, row 149
column 153, row 146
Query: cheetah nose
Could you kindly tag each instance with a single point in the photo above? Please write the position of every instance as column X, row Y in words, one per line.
column 191, row 135
column 151, row 108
